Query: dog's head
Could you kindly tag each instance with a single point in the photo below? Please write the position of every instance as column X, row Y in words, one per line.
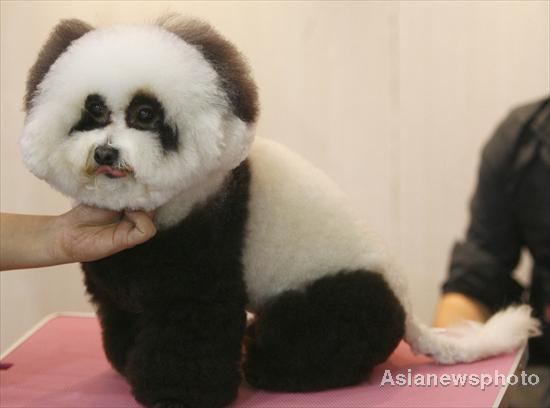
column 129, row 116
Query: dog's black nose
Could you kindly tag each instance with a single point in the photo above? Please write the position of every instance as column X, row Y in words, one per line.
column 105, row 155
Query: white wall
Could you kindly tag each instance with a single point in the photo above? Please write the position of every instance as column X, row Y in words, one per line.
column 392, row 99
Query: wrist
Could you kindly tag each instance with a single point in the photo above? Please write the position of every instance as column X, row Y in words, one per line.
column 54, row 239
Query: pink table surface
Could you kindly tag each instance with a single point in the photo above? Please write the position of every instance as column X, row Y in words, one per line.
column 62, row 365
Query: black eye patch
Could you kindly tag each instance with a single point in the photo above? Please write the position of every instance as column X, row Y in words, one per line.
column 145, row 112
column 95, row 114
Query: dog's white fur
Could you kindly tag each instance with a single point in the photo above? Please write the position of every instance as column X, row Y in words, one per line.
column 469, row 341
column 300, row 225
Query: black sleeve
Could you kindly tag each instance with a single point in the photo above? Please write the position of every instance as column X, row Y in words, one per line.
column 481, row 266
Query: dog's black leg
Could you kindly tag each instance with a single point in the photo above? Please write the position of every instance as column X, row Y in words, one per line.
column 187, row 355
column 118, row 334
column 329, row 335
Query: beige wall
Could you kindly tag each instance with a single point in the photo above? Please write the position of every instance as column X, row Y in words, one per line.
column 393, row 100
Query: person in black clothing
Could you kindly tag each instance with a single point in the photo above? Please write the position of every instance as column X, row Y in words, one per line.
column 510, row 211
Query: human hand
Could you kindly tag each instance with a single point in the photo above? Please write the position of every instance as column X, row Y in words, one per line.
column 454, row 308
column 86, row 233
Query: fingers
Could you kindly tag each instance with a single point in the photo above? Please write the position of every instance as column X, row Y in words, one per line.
column 143, row 227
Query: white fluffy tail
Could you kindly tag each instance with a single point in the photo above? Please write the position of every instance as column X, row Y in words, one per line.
column 505, row 332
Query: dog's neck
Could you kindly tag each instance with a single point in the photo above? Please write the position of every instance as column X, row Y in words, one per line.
column 182, row 204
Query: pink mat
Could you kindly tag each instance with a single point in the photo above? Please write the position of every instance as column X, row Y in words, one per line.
column 62, row 365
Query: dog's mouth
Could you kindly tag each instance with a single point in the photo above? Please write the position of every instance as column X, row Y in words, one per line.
column 111, row 172
column 115, row 171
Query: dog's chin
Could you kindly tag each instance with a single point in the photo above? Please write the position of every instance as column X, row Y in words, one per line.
column 119, row 203
column 119, row 192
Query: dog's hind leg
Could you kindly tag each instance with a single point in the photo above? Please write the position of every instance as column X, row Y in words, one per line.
column 330, row 334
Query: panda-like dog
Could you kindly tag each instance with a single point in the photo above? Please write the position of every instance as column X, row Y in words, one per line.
column 161, row 117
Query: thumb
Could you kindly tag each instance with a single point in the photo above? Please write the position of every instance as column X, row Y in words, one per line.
column 143, row 227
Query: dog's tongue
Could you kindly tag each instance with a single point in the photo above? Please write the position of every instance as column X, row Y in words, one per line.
column 111, row 172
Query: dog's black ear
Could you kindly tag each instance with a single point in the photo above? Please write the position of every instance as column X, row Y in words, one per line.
column 63, row 34
column 228, row 62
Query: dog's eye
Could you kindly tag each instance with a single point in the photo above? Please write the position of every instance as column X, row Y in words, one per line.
column 95, row 114
column 145, row 114
column 96, row 109
column 95, row 106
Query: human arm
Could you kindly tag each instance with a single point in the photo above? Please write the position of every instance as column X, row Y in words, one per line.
column 480, row 273
column 80, row 235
